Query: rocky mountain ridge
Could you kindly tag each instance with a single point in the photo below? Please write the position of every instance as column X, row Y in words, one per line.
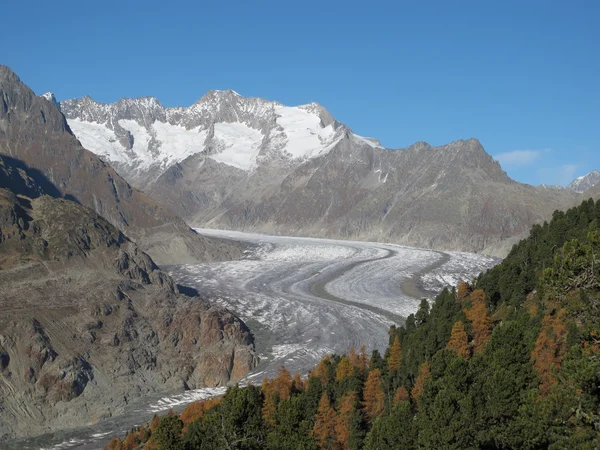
column 297, row 171
column 90, row 322
column 35, row 132
column 585, row 182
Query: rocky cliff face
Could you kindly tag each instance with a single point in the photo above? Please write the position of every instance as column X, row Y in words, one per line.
column 34, row 131
column 250, row 164
column 89, row 322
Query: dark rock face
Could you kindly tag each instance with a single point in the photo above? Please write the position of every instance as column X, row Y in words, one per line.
column 35, row 132
column 89, row 321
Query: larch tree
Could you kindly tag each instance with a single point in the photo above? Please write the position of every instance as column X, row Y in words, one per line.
column 481, row 324
column 395, row 358
column 549, row 350
column 344, row 369
column 373, row 396
column 463, row 290
column 325, row 422
column 424, row 373
column 459, row 340
column 401, row 395
column 344, row 425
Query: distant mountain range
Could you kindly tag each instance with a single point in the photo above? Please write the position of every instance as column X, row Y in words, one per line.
column 251, row 164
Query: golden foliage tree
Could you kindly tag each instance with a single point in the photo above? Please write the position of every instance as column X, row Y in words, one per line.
column 481, row 324
column 463, row 290
column 325, row 422
column 297, row 383
column 343, row 425
column 459, row 340
column 322, row 370
column 196, row 410
column 131, row 441
column 373, row 395
column 154, row 423
column 344, row 369
column 395, row 358
column 274, row 391
column 269, row 407
column 549, row 349
column 401, row 395
column 363, row 358
column 424, row 372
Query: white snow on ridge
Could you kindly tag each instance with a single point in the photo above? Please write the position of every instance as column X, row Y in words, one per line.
column 305, row 136
column 99, row 139
column 371, row 142
column 240, row 145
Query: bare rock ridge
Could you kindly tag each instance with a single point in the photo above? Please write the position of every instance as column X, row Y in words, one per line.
column 34, row 131
column 251, row 164
column 89, row 322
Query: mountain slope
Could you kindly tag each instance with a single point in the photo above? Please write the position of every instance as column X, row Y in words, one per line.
column 33, row 130
column 250, row 164
column 89, row 322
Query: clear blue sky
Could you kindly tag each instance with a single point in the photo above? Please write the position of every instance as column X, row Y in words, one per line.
column 522, row 77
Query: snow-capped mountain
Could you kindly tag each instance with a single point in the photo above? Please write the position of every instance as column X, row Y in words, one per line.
column 585, row 182
column 251, row 164
column 142, row 138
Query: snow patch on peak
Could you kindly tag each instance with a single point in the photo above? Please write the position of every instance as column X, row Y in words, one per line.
column 51, row 98
column 304, row 134
column 371, row 142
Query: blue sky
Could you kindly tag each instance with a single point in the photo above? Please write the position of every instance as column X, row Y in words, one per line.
column 522, row 77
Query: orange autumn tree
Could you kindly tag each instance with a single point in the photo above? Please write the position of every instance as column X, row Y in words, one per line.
column 395, row 355
column 343, row 425
column 196, row 410
column 325, row 422
column 131, row 441
column 459, row 340
column 549, row 349
column 424, row 372
column 401, row 395
column 274, row 391
column 297, row 383
column 463, row 290
column 322, row 370
column 481, row 324
column 373, row 395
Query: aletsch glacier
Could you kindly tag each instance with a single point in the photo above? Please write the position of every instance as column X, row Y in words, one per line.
column 303, row 298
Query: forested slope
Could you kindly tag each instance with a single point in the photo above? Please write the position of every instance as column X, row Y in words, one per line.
column 508, row 361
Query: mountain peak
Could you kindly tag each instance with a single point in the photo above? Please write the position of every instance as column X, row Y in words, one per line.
column 585, row 182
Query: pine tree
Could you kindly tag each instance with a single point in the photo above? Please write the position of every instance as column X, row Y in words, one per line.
column 325, row 421
column 395, row 356
column 480, row 321
column 424, row 371
column 459, row 340
column 373, row 395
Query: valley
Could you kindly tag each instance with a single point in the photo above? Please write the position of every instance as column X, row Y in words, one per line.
column 302, row 298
